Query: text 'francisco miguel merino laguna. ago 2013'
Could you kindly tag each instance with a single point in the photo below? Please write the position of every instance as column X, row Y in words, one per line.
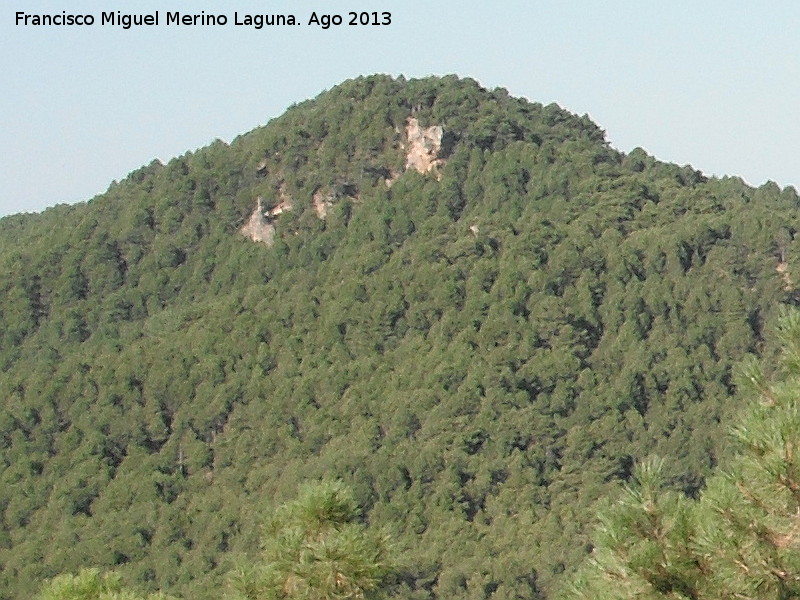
column 257, row 21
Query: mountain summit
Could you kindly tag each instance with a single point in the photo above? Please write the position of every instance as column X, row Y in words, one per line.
column 466, row 306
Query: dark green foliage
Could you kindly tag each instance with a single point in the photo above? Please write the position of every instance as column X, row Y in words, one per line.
column 480, row 353
column 740, row 538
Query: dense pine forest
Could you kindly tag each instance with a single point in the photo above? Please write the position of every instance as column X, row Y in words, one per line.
column 466, row 308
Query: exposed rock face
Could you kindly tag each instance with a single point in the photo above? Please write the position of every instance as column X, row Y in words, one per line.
column 322, row 203
column 284, row 204
column 393, row 176
column 424, row 144
column 325, row 197
column 259, row 228
column 423, row 149
column 783, row 271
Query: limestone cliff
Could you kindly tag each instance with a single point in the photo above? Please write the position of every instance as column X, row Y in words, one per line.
column 424, row 145
column 258, row 227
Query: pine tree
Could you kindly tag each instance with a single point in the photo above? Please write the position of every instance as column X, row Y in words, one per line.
column 315, row 548
column 741, row 538
column 90, row 584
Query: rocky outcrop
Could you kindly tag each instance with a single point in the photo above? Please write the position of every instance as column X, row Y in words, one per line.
column 322, row 203
column 424, row 146
column 783, row 271
column 393, row 176
column 259, row 228
column 285, row 202
column 423, row 149
column 323, row 199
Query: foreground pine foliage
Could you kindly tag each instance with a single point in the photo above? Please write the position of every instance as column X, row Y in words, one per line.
column 315, row 548
column 90, row 584
column 741, row 538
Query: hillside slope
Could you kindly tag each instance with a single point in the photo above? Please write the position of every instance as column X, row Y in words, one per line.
column 481, row 349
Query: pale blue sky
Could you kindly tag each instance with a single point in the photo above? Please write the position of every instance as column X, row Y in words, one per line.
column 715, row 85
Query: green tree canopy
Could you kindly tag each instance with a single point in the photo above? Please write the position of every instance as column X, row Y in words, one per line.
column 90, row 584
column 741, row 538
column 480, row 352
column 316, row 548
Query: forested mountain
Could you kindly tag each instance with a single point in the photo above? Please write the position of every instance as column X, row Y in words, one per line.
column 466, row 306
